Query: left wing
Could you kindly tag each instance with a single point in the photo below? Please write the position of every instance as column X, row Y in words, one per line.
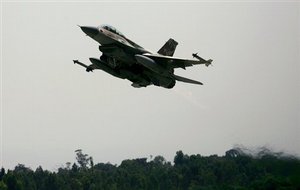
column 174, row 62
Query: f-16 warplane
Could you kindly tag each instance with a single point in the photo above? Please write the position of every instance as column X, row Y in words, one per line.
column 125, row 59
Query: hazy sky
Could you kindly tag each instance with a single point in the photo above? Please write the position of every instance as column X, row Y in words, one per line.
column 51, row 107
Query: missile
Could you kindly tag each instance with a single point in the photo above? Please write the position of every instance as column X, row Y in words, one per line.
column 88, row 68
column 206, row 62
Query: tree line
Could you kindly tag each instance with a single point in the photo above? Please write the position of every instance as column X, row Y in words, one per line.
column 235, row 170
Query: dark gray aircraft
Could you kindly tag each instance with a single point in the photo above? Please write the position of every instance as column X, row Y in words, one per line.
column 125, row 59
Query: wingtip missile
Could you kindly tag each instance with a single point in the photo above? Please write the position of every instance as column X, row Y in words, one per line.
column 195, row 55
column 88, row 68
column 206, row 62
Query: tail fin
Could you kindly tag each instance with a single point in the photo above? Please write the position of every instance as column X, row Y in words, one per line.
column 168, row 48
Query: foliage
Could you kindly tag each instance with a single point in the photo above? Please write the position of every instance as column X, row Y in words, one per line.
column 236, row 170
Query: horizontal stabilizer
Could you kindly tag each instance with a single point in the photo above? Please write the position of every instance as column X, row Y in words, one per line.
column 182, row 79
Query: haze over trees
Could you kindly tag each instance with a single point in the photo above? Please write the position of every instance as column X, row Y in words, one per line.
column 235, row 170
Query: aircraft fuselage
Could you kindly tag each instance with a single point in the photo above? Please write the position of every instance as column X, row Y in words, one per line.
column 125, row 59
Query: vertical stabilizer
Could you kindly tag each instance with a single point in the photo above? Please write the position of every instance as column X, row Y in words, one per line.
column 168, row 48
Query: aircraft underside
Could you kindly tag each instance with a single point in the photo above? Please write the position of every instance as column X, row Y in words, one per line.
column 137, row 74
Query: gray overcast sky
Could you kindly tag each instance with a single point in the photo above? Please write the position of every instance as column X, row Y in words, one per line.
column 51, row 107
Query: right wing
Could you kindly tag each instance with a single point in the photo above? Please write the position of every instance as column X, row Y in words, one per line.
column 173, row 62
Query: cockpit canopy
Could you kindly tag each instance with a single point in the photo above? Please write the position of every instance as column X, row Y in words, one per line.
column 111, row 29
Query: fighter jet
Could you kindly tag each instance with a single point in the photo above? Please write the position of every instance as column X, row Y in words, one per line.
column 125, row 59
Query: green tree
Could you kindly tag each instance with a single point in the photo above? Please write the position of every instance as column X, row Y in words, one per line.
column 83, row 160
column 12, row 182
column 237, row 171
column 3, row 186
column 2, row 173
column 159, row 160
column 180, row 158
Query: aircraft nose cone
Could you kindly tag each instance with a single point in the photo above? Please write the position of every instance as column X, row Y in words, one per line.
column 89, row 30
